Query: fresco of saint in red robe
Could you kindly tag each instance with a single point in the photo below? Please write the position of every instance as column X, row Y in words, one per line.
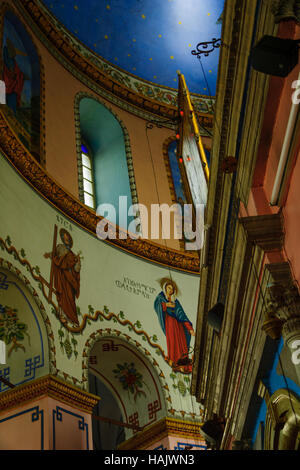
column 175, row 325
column 66, row 268
column 13, row 77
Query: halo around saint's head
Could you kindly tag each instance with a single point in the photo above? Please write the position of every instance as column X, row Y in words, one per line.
column 165, row 281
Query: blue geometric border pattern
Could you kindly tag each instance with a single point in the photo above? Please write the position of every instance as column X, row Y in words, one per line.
column 31, row 365
column 3, row 283
column 5, row 374
column 183, row 445
column 81, row 423
column 35, row 417
column 161, row 447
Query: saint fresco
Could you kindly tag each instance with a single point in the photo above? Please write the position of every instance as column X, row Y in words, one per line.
column 21, row 75
column 175, row 325
column 65, row 275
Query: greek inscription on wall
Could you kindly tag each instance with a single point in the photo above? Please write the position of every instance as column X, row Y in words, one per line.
column 135, row 287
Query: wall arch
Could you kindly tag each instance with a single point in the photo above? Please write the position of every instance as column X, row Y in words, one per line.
column 25, row 328
column 131, row 176
column 141, row 407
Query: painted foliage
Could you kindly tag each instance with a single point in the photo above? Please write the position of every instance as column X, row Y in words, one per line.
column 21, row 74
column 23, row 331
column 12, row 330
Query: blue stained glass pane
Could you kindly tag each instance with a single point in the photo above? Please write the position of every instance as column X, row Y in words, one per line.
column 207, row 153
column 176, row 175
column 84, row 149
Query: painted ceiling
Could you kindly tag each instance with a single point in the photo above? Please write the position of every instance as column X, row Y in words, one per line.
column 151, row 39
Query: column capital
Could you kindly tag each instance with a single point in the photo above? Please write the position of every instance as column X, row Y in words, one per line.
column 286, row 10
column 282, row 311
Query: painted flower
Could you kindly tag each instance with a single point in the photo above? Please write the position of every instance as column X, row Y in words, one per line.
column 130, row 378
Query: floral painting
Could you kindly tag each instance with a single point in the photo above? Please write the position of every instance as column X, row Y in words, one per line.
column 130, row 379
column 12, row 330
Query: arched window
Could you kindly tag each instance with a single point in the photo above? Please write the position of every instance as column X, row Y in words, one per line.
column 88, row 177
column 105, row 169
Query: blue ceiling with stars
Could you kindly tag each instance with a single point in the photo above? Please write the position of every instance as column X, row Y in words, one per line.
column 151, row 39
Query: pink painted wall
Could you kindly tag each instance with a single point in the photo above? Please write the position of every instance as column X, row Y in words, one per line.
column 20, row 431
column 277, row 112
column 291, row 213
column 178, row 443
column 273, row 131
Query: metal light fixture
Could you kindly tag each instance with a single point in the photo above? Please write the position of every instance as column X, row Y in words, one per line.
column 207, row 48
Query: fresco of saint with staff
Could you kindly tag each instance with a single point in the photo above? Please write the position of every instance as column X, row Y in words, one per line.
column 65, row 276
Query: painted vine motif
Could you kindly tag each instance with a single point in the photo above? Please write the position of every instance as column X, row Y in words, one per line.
column 12, row 330
column 182, row 384
column 130, row 379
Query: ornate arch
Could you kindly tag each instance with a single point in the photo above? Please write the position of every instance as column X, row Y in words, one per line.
column 135, row 345
column 6, row 265
column 131, row 175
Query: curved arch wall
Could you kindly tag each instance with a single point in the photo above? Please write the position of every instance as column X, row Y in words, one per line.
column 59, row 133
column 92, row 289
column 60, row 89
column 116, row 291
column 23, row 330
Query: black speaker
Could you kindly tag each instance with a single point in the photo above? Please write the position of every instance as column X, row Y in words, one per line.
column 215, row 317
column 275, row 56
column 212, row 433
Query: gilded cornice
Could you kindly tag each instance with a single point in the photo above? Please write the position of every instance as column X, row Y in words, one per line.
column 127, row 91
column 163, row 428
column 51, row 387
column 63, row 201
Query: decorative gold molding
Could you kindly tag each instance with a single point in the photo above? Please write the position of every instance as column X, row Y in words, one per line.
column 163, row 428
column 48, row 188
column 52, row 387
